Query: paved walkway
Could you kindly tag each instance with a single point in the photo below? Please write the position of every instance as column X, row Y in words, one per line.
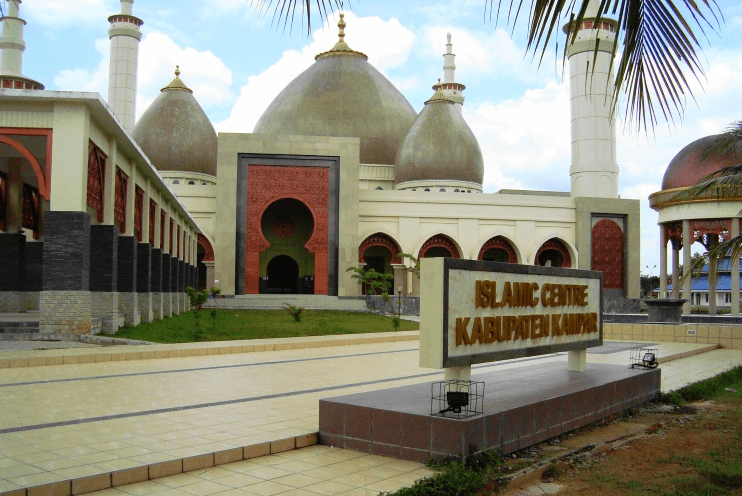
column 87, row 426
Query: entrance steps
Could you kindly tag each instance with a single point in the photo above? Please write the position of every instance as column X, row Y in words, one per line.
column 279, row 302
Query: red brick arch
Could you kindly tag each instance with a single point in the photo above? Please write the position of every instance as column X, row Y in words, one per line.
column 607, row 253
column 268, row 184
column 556, row 245
column 380, row 239
column 441, row 241
column 501, row 243
column 204, row 243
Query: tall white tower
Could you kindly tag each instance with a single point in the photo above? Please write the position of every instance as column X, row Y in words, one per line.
column 450, row 88
column 122, row 72
column 11, row 50
column 594, row 171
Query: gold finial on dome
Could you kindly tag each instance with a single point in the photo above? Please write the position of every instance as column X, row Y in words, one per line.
column 439, row 96
column 177, row 83
column 341, row 47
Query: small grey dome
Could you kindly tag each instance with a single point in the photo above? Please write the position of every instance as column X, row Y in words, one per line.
column 175, row 133
column 439, row 147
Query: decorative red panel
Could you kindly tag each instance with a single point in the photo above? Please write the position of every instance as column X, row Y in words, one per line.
column 608, row 253
column 138, row 211
column 674, row 230
column 439, row 241
column 163, row 222
column 119, row 207
column 558, row 246
column 267, row 184
column 380, row 239
column 31, row 209
column 96, row 179
column 178, row 242
column 500, row 243
column 204, row 243
column 172, row 233
column 152, row 219
column 3, row 199
column 704, row 227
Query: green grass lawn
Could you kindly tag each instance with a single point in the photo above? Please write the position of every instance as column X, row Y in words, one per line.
column 259, row 324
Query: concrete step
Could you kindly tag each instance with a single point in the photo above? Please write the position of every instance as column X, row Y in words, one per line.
column 8, row 327
column 278, row 302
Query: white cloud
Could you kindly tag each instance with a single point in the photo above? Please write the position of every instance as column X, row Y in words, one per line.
column 202, row 71
column 525, row 142
column 387, row 44
column 62, row 13
column 84, row 79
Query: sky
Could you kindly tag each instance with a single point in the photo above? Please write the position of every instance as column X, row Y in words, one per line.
column 236, row 58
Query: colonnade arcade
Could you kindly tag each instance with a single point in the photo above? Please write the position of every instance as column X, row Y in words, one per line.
column 680, row 235
column 382, row 253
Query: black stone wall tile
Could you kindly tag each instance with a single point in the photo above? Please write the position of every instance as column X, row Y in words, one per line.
column 156, row 270
column 104, row 243
column 144, row 267
column 174, row 275
column 181, row 276
column 12, row 261
column 167, row 273
column 127, row 264
column 34, row 266
column 66, row 251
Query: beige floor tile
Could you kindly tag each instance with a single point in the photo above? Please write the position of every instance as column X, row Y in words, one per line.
column 178, row 480
column 297, row 480
column 328, row 487
column 356, row 480
column 37, row 479
column 238, row 480
column 18, row 471
column 267, row 473
column 204, row 488
column 211, row 473
column 266, row 488
column 140, row 488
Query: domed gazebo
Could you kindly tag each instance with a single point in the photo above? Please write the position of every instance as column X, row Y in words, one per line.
column 709, row 219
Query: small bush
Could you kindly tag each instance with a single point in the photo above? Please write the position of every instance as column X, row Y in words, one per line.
column 294, row 311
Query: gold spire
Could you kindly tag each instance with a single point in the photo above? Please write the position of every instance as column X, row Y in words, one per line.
column 341, row 47
column 177, row 83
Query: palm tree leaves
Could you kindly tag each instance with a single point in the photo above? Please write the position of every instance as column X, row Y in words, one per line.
column 659, row 47
column 286, row 9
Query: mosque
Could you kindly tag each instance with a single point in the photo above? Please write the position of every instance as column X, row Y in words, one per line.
column 340, row 171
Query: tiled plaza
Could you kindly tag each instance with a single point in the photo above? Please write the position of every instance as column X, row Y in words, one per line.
column 209, row 420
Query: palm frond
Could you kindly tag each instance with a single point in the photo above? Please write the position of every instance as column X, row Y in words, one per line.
column 731, row 248
column 285, row 10
column 660, row 49
column 729, row 141
column 725, row 182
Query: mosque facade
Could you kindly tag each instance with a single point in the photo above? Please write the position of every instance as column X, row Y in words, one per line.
column 340, row 172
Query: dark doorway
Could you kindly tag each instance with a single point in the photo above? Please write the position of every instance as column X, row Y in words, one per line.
column 496, row 255
column 283, row 275
column 550, row 258
column 437, row 251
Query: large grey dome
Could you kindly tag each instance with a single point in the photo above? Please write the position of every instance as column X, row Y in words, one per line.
column 439, row 147
column 341, row 94
column 175, row 133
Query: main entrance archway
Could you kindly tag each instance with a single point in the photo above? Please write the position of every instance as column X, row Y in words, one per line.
column 287, row 265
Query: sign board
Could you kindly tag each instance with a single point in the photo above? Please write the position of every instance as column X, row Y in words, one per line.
column 474, row 311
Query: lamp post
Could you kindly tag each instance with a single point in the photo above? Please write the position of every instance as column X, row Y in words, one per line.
column 651, row 283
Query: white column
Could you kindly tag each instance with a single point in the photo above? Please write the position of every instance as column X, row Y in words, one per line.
column 735, row 271
column 675, row 270
column 687, row 242
column 663, row 263
column 124, row 34
column 594, row 171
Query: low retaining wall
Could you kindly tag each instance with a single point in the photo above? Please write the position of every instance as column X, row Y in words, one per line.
column 726, row 336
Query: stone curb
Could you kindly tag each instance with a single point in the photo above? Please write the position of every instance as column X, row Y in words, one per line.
column 38, row 358
column 105, row 480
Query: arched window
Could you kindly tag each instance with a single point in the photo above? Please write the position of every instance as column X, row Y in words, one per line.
column 175, row 181
column 438, row 246
column 553, row 253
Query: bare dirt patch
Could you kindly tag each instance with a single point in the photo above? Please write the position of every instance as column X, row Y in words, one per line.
column 643, row 453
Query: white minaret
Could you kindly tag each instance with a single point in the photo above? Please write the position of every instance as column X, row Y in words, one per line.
column 122, row 72
column 11, row 49
column 450, row 88
column 594, row 171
